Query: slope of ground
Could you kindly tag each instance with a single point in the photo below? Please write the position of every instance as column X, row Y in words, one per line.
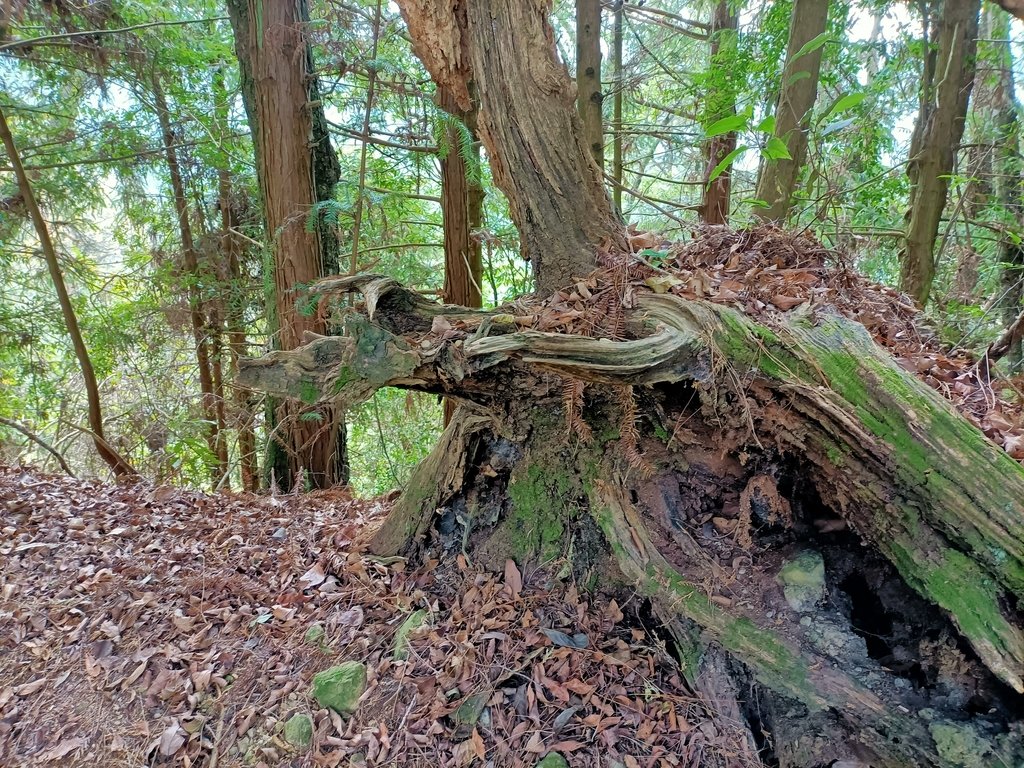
column 151, row 626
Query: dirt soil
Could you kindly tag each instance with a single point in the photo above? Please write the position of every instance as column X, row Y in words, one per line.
column 152, row 626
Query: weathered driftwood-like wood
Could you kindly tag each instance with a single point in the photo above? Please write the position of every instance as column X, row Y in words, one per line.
column 911, row 477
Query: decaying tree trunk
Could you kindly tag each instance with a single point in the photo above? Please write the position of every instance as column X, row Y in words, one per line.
column 788, row 496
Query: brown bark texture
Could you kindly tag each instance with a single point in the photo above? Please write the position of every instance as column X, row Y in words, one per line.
column 720, row 103
column 797, row 93
column 945, row 93
column 555, row 190
column 271, row 43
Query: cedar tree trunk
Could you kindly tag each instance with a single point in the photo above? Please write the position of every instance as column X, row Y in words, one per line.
column 554, row 188
column 281, row 94
column 720, row 102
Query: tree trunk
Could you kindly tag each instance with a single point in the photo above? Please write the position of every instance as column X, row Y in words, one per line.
column 589, row 96
column 726, row 459
column 117, row 463
column 461, row 210
column 797, row 93
column 274, row 62
column 194, row 290
column 555, row 189
column 1008, row 180
column 230, row 250
column 720, row 102
column 619, row 85
column 945, row 92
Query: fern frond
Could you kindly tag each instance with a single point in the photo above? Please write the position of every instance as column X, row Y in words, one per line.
column 630, row 435
column 572, row 399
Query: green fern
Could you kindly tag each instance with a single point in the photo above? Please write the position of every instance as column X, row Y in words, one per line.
column 445, row 125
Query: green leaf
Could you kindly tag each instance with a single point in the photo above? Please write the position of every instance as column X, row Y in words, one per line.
column 767, row 125
column 838, row 125
column 776, row 149
column 811, row 45
column 797, row 77
column 726, row 125
column 849, row 101
column 726, row 162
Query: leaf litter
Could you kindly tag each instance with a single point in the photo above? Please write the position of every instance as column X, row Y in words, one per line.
column 154, row 626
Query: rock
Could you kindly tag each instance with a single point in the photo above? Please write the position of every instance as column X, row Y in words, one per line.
column 552, row 760
column 469, row 710
column 314, row 635
column 340, row 687
column 803, row 580
column 298, row 731
column 414, row 621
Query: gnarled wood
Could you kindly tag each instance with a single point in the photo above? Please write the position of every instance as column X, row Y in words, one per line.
column 886, row 455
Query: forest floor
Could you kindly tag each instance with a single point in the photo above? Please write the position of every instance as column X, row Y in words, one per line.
column 144, row 625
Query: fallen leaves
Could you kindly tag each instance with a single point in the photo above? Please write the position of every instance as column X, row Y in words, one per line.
column 188, row 632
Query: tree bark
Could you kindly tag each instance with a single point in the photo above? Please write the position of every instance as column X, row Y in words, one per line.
column 555, row 190
column 799, row 89
column 775, row 435
column 230, row 250
column 720, row 102
column 212, row 415
column 117, row 463
column 1009, row 166
column 274, row 61
column 461, row 211
column 945, row 92
column 589, row 95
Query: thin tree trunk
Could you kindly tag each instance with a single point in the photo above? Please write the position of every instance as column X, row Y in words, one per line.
column 233, row 315
column 617, row 105
column 196, row 305
column 799, row 89
column 945, row 92
column 117, row 463
column 720, row 102
column 588, row 76
column 1008, row 188
column 555, row 191
column 371, row 86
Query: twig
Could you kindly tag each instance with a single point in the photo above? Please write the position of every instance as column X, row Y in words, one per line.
column 38, row 441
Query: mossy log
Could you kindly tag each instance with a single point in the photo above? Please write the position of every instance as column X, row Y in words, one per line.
column 738, row 415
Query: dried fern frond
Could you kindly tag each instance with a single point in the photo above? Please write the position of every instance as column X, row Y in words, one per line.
column 572, row 399
column 630, row 435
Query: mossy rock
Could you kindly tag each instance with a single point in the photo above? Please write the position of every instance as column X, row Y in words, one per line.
column 415, row 620
column 340, row 687
column 553, row 760
column 315, row 634
column 803, row 580
column 298, row 731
